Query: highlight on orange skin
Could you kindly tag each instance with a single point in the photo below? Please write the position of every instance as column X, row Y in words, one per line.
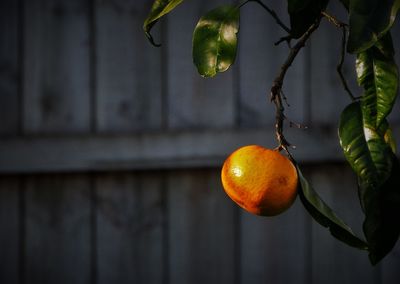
column 260, row 180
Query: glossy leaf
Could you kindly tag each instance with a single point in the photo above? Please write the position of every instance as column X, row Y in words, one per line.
column 389, row 139
column 382, row 209
column 365, row 150
column 377, row 73
column 369, row 20
column 158, row 9
column 303, row 14
column 325, row 216
column 215, row 40
column 370, row 153
column 386, row 132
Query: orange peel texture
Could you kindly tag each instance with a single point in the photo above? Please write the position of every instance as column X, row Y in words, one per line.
column 260, row 180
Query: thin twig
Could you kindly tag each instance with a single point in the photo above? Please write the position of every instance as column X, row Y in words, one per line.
column 333, row 20
column 297, row 125
column 339, row 67
column 287, row 38
column 271, row 12
column 285, row 99
column 276, row 89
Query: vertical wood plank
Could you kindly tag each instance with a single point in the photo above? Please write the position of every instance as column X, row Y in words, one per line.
column 130, row 228
column 128, row 68
column 329, row 97
column 195, row 102
column 390, row 266
column 394, row 116
column 275, row 250
column 201, row 229
column 10, row 233
column 56, row 66
column 57, row 229
column 333, row 261
column 260, row 61
column 9, row 67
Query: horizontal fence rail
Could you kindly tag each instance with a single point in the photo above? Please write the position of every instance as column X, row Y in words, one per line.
column 166, row 150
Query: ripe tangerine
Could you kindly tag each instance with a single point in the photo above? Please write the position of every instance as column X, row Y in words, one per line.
column 260, row 180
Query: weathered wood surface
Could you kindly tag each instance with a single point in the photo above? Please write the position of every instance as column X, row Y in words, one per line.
column 194, row 102
column 390, row 267
column 164, row 150
column 56, row 86
column 130, row 233
column 10, row 35
column 128, row 70
column 333, row 261
column 394, row 117
column 86, row 68
column 57, row 226
column 259, row 61
column 201, row 229
column 10, row 230
column 270, row 247
column 328, row 97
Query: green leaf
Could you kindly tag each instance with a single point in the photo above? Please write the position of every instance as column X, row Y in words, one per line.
column 158, row 9
column 215, row 40
column 370, row 153
column 303, row 14
column 365, row 150
column 382, row 209
column 377, row 73
column 325, row 216
column 369, row 20
column 386, row 133
column 389, row 139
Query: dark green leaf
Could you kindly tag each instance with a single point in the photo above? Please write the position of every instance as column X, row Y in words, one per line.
column 382, row 210
column 215, row 40
column 158, row 9
column 385, row 45
column 363, row 147
column 303, row 14
column 389, row 139
column 370, row 153
column 325, row 216
column 369, row 20
column 386, row 132
column 377, row 73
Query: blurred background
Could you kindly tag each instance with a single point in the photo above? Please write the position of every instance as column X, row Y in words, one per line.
column 110, row 150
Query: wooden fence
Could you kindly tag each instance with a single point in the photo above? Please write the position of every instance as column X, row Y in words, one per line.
column 110, row 150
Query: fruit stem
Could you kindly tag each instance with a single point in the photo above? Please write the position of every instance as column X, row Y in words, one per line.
column 276, row 89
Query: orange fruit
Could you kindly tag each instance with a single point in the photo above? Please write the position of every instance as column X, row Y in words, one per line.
column 260, row 180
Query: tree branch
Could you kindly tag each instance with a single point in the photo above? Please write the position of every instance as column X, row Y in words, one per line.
column 333, row 20
column 271, row 12
column 339, row 67
column 276, row 89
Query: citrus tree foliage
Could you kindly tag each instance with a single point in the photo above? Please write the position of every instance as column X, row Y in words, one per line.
column 364, row 132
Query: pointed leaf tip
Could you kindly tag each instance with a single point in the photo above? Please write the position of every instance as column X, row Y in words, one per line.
column 158, row 10
column 325, row 216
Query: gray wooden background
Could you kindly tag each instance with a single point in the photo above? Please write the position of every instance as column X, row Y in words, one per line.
column 110, row 150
